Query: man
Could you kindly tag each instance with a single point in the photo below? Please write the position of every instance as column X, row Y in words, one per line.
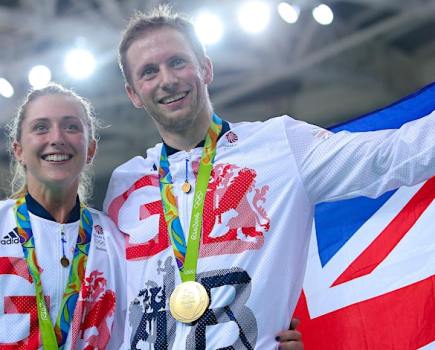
column 241, row 196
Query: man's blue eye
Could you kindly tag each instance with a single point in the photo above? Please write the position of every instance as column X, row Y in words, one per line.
column 178, row 62
column 148, row 71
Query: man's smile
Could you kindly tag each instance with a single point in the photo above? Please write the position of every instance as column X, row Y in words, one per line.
column 173, row 98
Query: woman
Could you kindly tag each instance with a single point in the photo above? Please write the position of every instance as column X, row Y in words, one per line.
column 60, row 262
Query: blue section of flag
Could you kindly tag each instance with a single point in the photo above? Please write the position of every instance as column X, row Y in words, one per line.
column 393, row 116
column 336, row 222
column 351, row 214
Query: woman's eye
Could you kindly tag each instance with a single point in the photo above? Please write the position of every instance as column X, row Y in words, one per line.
column 40, row 128
column 73, row 127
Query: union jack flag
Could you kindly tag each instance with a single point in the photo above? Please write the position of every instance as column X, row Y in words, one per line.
column 370, row 279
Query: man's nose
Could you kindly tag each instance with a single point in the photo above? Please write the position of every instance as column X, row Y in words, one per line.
column 169, row 79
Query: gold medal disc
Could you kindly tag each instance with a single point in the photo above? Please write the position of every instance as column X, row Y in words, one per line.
column 64, row 261
column 188, row 301
column 185, row 187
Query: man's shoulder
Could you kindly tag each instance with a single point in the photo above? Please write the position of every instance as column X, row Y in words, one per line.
column 140, row 163
column 265, row 126
column 136, row 162
column 127, row 174
column 260, row 123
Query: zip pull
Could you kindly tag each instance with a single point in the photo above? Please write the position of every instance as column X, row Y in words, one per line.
column 186, row 187
column 63, row 260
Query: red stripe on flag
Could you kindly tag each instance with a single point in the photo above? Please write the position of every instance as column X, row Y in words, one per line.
column 379, row 249
column 399, row 320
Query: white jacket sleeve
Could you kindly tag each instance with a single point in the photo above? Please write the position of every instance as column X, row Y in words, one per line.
column 345, row 165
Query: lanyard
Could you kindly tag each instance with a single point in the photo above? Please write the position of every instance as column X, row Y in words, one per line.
column 187, row 255
column 54, row 338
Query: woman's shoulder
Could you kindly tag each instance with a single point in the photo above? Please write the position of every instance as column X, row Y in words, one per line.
column 102, row 219
column 6, row 203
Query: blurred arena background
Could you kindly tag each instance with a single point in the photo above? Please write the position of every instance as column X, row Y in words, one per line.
column 321, row 64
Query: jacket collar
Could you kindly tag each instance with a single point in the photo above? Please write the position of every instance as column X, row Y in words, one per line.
column 225, row 127
column 37, row 209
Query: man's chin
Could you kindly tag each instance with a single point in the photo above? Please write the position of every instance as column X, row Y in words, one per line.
column 178, row 122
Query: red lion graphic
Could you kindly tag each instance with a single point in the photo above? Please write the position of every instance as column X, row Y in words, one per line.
column 95, row 307
column 233, row 189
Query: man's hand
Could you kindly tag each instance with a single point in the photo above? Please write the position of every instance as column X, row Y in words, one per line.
column 290, row 339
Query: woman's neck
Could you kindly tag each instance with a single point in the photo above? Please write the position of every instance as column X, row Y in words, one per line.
column 58, row 203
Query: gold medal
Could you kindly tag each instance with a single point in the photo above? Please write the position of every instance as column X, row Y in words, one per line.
column 188, row 301
column 185, row 187
column 64, row 261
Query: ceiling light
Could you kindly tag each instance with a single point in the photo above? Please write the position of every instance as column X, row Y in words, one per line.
column 209, row 28
column 323, row 14
column 39, row 76
column 6, row 89
column 288, row 13
column 79, row 63
column 254, row 16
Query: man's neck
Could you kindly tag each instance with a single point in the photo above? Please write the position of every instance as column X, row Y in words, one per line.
column 186, row 139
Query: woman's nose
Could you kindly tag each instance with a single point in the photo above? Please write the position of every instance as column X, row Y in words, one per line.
column 57, row 136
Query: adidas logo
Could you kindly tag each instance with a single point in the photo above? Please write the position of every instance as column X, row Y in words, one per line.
column 10, row 238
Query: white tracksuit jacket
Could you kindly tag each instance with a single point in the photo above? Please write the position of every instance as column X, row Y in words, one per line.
column 103, row 311
column 257, row 220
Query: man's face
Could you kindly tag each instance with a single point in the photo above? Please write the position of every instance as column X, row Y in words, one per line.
column 168, row 80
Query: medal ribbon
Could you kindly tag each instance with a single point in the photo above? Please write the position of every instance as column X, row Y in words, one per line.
column 187, row 256
column 54, row 338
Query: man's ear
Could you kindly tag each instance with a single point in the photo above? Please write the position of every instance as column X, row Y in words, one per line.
column 134, row 98
column 207, row 68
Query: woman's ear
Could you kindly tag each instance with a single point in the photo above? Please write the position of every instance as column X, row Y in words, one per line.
column 18, row 152
column 92, row 149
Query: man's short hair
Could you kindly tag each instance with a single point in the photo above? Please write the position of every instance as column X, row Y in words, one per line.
column 160, row 17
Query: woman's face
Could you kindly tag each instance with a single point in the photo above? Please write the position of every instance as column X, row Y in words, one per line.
column 54, row 145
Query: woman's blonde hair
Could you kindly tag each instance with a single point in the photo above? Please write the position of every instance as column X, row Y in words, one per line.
column 14, row 130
